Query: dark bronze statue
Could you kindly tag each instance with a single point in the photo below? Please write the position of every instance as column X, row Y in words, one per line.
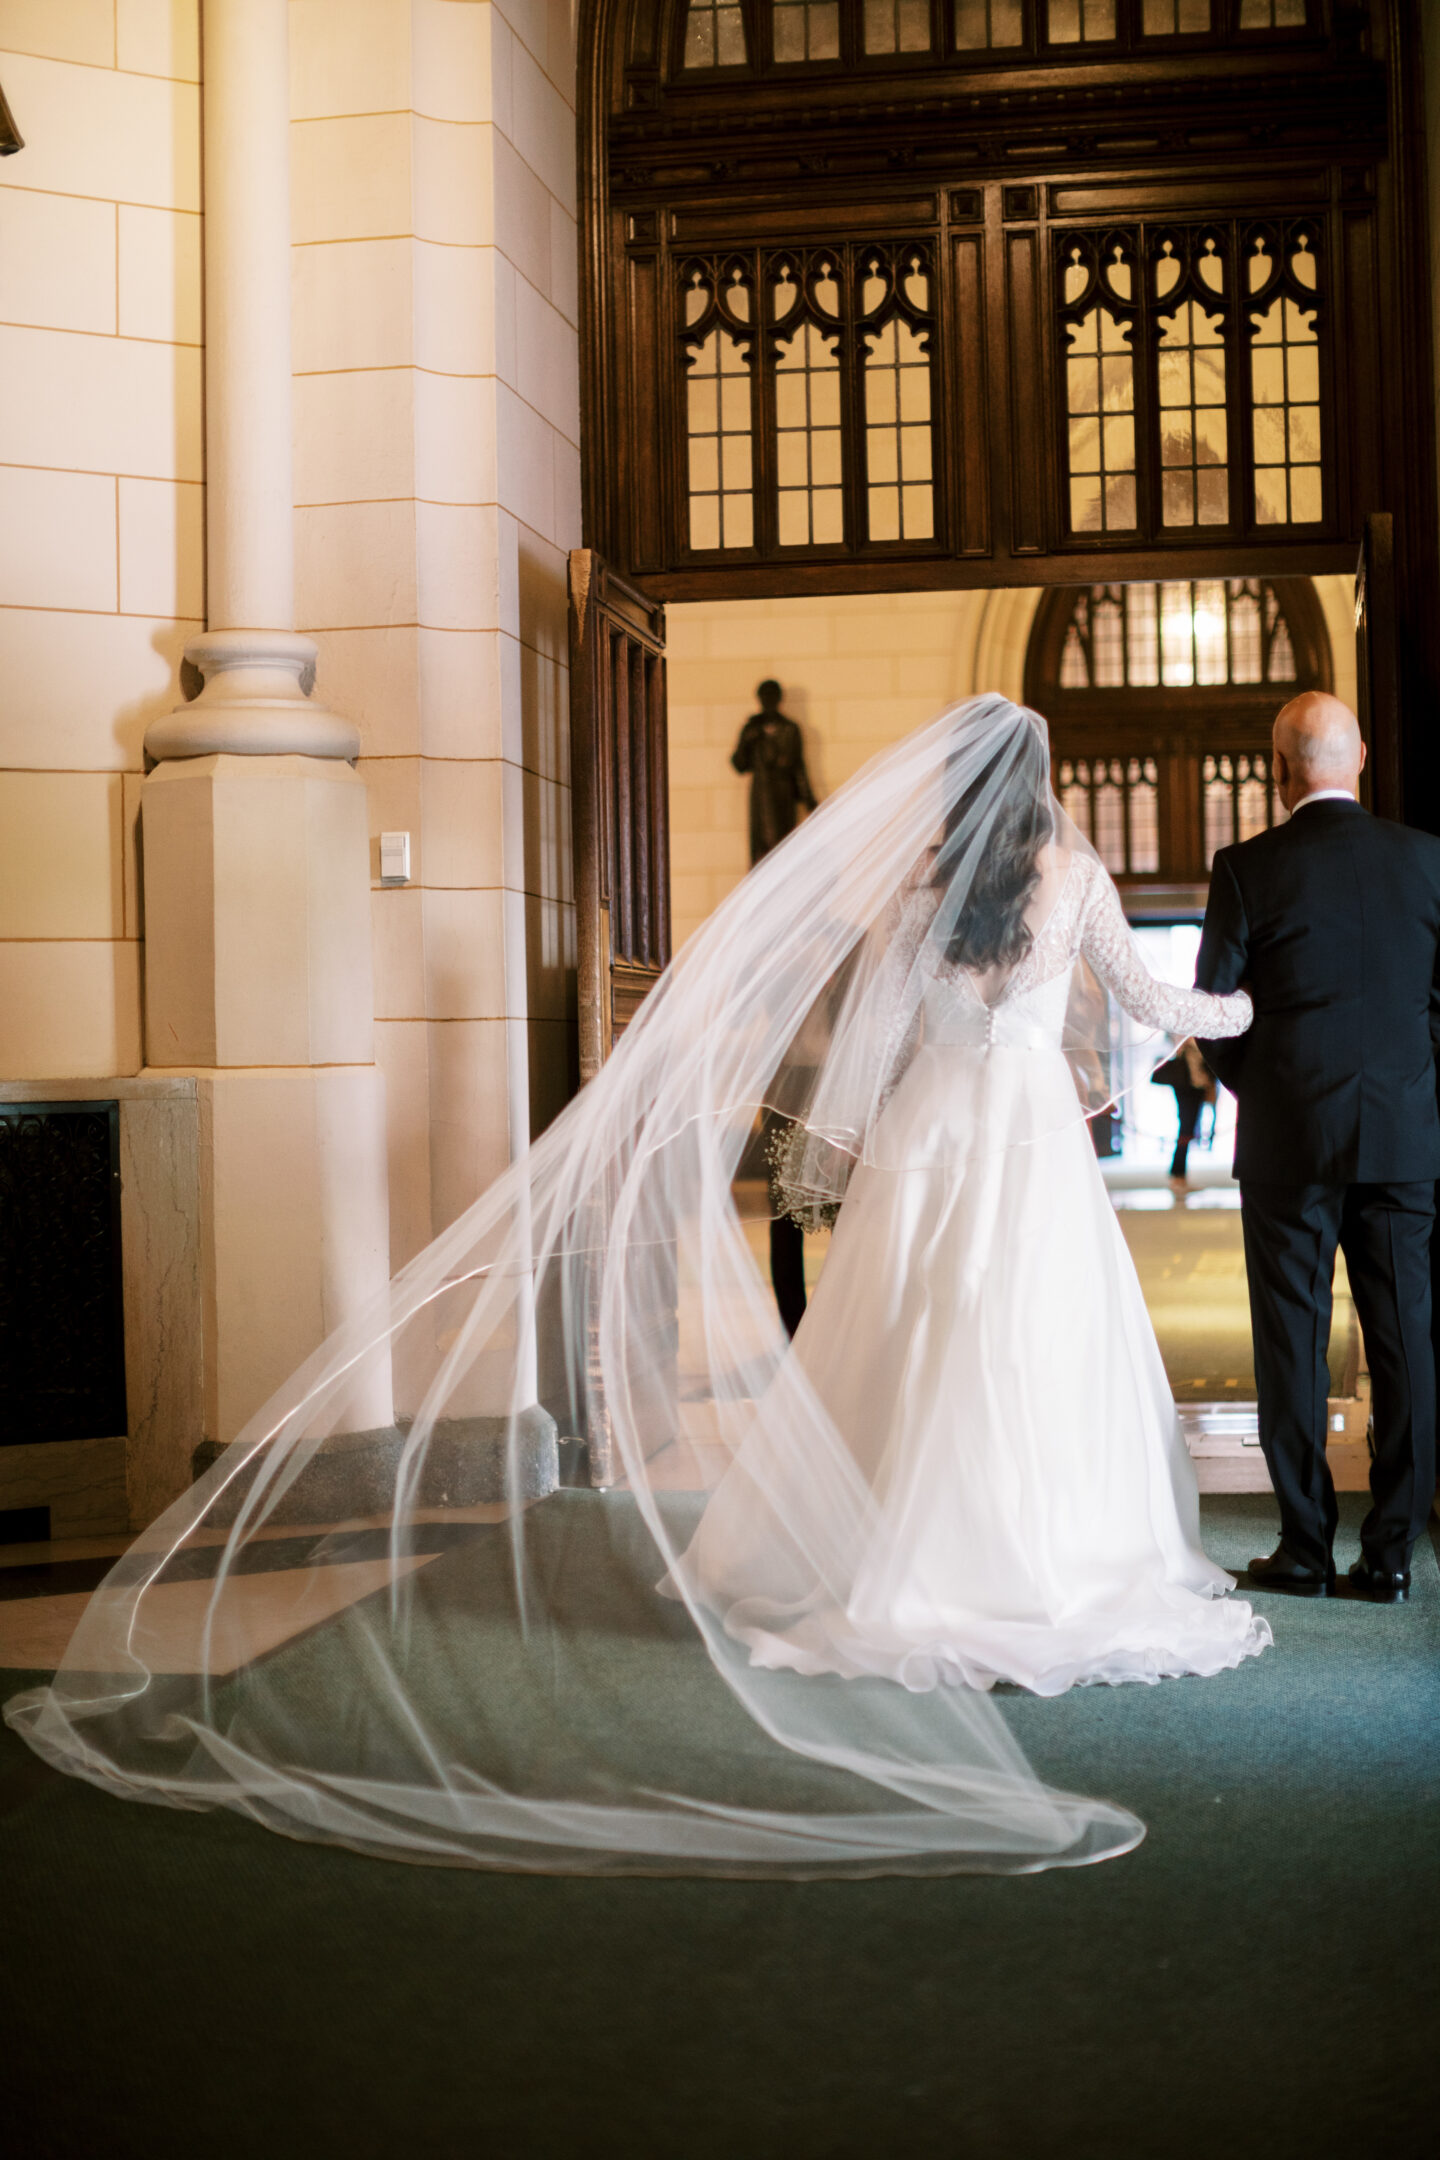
column 772, row 750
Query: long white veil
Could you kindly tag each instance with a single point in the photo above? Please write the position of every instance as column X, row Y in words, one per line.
column 447, row 1639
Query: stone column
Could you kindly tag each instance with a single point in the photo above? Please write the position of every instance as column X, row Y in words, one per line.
column 255, row 836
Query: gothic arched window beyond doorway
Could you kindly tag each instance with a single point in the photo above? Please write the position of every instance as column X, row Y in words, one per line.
column 1160, row 698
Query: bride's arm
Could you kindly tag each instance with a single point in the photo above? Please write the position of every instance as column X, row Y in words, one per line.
column 1113, row 951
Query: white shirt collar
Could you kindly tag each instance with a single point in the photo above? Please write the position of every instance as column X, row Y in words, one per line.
column 1324, row 794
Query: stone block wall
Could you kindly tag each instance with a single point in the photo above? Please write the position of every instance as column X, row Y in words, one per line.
column 101, row 498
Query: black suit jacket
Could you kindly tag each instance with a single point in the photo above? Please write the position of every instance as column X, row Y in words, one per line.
column 1332, row 921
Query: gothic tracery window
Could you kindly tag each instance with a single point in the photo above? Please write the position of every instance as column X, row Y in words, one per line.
column 1160, row 697
column 1156, row 401
column 714, row 35
column 825, row 423
column 1285, row 383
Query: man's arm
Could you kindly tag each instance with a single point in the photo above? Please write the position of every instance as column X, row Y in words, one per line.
column 1223, row 961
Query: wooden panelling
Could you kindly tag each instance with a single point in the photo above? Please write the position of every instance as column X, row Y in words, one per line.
column 1029, row 444
column 709, row 224
column 980, row 156
column 969, row 452
column 1244, row 193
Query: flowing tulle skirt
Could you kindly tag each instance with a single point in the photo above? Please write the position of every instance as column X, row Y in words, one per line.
column 979, row 1341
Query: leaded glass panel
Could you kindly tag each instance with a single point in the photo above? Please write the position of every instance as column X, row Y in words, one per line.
column 893, row 26
column 808, row 462
column 806, row 29
column 1080, row 22
column 1285, row 388
column 988, row 25
column 714, row 35
column 1175, row 18
column 1272, row 14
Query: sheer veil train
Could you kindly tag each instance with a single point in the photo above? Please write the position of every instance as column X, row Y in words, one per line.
column 424, row 1642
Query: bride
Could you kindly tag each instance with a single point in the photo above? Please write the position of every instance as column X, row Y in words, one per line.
column 630, row 1585
column 978, row 1338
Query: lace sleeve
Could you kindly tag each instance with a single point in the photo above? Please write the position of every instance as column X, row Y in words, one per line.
column 901, row 1014
column 1110, row 946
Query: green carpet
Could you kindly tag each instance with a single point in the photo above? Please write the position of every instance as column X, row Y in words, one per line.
column 1264, row 1973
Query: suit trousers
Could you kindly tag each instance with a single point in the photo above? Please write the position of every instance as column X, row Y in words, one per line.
column 1384, row 1231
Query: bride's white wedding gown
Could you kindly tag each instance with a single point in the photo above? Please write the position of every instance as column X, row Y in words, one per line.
column 980, row 1343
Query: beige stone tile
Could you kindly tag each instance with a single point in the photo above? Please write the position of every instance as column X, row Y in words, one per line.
column 542, row 591
column 455, row 438
column 474, row 960
column 468, row 680
column 100, row 404
column 159, row 37
column 520, row 220
column 461, row 569
column 457, row 320
column 502, row 71
column 90, row 131
column 61, row 855
column 134, row 890
column 355, row 565
column 161, row 275
column 452, row 75
column 471, row 1092
column 686, row 627
column 543, row 28
column 57, row 539
column 80, row 690
column 549, row 958
column 348, row 56
column 537, row 721
column 82, row 30
column 354, row 436
column 560, row 46
column 694, row 768
column 700, row 850
column 69, row 1010
column 564, row 262
column 59, row 257
column 461, row 807
column 569, row 521
column 543, row 128
column 543, row 833
column 399, row 953
column 547, row 356
column 350, row 179
column 352, row 303
column 453, row 184
column 162, row 548
column 371, row 676
column 930, row 676
column 392, row 788
column 525, row 464
column 402, row 1053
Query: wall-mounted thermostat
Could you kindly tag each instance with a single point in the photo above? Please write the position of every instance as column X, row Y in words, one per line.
column 394, row 858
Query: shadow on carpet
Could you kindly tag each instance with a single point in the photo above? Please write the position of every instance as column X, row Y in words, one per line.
column 1264, row 1972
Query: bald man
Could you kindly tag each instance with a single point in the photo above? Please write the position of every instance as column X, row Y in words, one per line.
column 1332, row 921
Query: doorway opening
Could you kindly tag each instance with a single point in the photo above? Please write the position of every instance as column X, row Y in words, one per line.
column 859, row 671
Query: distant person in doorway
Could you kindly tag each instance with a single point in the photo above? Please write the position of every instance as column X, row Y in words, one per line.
column 1194, row 1084
column 1332, row 922
column 772, row 750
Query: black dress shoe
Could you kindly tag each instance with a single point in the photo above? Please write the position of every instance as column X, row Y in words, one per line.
column 1383, row 1586
column 1283, row 1572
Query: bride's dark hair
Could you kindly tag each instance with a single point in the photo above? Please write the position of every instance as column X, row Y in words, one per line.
column 991, row 930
